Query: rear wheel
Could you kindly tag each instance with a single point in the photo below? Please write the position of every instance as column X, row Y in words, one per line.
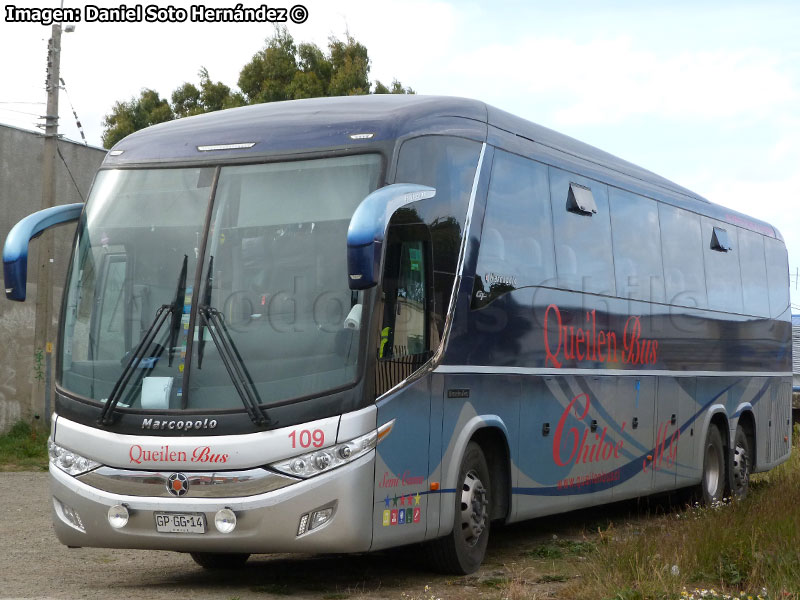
column 741, row 464
column 712, row 485
column 463, row 550
column 216, row 560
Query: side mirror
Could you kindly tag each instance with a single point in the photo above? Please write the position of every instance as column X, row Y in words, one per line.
column 367, row 230
column 15, row 251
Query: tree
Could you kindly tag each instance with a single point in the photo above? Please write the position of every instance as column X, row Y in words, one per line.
column 282, row 70
column 126, row 117
column 350, row 64
column 397, row 88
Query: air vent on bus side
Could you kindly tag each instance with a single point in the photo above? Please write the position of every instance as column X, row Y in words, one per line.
column 580, row 200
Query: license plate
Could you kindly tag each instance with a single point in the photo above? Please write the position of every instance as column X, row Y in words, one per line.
column 180, row 522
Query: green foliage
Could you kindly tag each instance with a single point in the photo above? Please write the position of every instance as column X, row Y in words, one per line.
column 559, row 548
column 126, row 117
column 741, row 547
column 282, row 70
column 23, row 448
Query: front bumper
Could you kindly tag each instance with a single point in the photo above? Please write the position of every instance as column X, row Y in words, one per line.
column 266, row 523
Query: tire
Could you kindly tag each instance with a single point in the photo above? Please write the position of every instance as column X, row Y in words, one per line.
column 741, row 464
column 713, row 482
column 214, row 560
column 462, row 551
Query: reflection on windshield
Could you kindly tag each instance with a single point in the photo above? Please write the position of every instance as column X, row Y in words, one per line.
column 279, row 278
column 278, row 281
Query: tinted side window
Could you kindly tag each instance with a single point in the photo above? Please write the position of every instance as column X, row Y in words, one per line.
column 723, row 279
column 447, row 164
column 682, row 247
column 637, row 246
column 754, row 274
column 582, row 242
column 517, row 238
column 777, row 276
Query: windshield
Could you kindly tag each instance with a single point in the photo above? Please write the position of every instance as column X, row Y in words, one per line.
column 277, row 287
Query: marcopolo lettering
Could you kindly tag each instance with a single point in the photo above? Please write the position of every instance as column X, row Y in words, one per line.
column 179, row 425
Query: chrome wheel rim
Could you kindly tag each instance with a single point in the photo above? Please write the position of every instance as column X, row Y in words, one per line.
column 474, row 508
column 713, row 470
column 741, row 470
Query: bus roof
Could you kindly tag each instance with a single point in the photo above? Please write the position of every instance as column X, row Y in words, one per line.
column 300, row 126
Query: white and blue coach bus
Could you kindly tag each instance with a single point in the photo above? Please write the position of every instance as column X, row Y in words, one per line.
column 347, row 324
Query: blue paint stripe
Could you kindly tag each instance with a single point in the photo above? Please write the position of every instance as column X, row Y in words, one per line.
column 632, row 468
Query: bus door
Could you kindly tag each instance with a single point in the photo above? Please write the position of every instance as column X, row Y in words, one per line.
column 634, row 418
column 673, row 448
column 404, row 346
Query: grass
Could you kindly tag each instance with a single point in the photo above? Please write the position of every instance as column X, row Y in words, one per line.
column 23, row 448
column 749, row 547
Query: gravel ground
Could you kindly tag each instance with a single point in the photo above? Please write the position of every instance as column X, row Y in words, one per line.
column 33, row 564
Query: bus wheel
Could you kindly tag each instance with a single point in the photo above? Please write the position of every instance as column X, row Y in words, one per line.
column 712, row 486
column 741, row 464
column 216, row 560
column 463, row 550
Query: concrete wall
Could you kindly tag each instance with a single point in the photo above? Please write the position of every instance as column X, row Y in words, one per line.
column 20, row 195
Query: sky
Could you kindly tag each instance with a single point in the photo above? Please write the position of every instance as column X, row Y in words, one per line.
column 705, row 93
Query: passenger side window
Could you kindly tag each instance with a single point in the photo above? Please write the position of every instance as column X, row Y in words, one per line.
column 754, row 273
column 582, row 239
column 777, row 276
column 637, row 246
column 723, row 279
column 682, row 245
column 517, row 241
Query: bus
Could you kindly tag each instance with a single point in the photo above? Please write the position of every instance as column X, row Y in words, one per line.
column 350, row 324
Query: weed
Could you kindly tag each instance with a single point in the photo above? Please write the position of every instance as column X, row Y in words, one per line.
column 734, row 549
column 23, row 448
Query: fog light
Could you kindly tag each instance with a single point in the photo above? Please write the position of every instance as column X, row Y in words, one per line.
column 69, row 514
column 225, row 520
column 303, row 526
column 118, row 516
column 321, row 517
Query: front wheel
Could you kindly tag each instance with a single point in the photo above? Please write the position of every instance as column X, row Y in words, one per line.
column 712, row 485
column 463, row 550
column 741, row 464
column 216, row 560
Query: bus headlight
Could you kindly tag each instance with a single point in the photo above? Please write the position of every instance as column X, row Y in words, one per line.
column 321, row 461
column 68, row 461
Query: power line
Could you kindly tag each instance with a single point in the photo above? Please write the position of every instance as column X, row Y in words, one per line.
column 75, row 183
column 74, row 114
column 22, row 112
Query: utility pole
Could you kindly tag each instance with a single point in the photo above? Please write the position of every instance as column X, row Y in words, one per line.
column 43, row 341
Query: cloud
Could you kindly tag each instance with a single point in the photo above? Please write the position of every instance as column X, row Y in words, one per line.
column 609, row 81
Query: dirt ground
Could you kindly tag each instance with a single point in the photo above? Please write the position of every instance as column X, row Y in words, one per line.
column 33, row 564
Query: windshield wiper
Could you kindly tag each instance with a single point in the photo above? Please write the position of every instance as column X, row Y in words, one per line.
column 213, row 321
column 137, row 356
column 234, row 364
